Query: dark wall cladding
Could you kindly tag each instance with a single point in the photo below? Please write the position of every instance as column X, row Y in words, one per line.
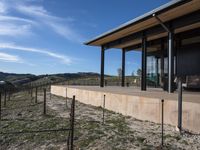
column 188, row 60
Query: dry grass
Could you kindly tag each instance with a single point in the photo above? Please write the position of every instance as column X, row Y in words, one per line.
column 118, row 132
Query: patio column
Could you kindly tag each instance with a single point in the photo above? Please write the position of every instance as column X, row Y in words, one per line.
column 157, row 73
column 123, row 67
column 178, row 46
column 162, row 61
column 144, row 63
column 170, row 61
column 102, row 66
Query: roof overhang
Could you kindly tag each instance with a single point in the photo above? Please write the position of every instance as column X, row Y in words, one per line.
column 174, row 10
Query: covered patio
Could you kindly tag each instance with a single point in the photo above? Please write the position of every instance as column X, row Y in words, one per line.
column 170, row 34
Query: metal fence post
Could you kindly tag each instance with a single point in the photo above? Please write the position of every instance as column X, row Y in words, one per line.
column 180, row 104
column 104, row 98
column 72, row 122
column 162, row 126
column 45, row 101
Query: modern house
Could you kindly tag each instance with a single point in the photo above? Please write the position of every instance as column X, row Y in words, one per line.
column 170, row 34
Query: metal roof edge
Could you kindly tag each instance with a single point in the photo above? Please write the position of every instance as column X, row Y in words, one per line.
column 138, row 19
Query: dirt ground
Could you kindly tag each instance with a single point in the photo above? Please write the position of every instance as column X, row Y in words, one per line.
column 119, row 132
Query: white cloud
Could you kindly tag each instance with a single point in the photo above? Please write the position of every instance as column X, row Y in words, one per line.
column 5, row 57
column 9, row 58
column 65, row 59
column 8, row 29
column 66, row 32
column 11, row 25
column 34, row 16
column 13, row 18
column 37, row 13
column 3, row 7
column 59, row 25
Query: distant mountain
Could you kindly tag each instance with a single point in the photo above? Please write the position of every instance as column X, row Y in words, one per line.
column 13, row 76
column 76, row 75
column 19, row 79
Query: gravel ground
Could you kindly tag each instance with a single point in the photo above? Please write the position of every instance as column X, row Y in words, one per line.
column 118, row 132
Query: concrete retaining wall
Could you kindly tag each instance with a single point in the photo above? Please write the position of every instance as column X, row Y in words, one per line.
column 142, row 108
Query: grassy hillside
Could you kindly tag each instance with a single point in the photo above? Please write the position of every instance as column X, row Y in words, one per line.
column 19, row 79
column 80, row 78
column 14, row 76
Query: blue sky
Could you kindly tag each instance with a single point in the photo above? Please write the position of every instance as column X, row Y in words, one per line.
column 47, row 36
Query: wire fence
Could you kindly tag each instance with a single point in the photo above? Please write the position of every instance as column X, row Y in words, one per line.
column 29, row 92
column 162, row 116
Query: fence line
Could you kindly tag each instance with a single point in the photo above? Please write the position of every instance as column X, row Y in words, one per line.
column 72, row 115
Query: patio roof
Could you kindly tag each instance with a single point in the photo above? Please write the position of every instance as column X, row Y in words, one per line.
column 167, row 13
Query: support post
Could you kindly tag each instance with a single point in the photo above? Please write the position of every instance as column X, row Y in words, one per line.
column 162, row 62
column 102, row 66
column 72, row 122
column 178, row 47
column 162, row 128
column 123, row 67
column 44, row 101
column 170, row 61
column 144, row 63
column 157, row 74
column 180, row 104
column 170, row 54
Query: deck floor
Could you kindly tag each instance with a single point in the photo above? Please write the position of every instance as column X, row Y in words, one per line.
column 188, row 96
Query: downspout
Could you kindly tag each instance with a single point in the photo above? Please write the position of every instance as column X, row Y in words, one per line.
column 170, row 50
